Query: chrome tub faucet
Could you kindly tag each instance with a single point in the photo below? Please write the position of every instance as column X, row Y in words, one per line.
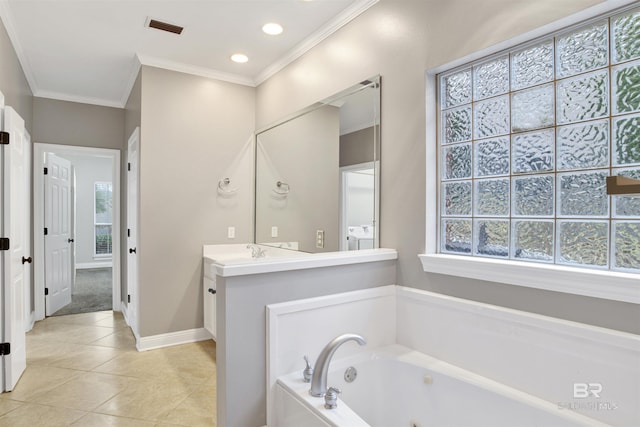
column 321, row 368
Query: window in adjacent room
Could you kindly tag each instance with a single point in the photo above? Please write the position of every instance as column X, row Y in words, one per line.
column 526, row 139
column 103, row 196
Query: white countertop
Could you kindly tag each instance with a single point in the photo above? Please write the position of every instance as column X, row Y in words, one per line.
column 235, row 260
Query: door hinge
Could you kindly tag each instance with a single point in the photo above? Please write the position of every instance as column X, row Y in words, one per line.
column 129, row 166
column 128, row 298
column 4, row 244
column 5, row 349
column 4, row 138
column 46, row 231
column 46, row 291
column 128, row 232
column 46, row 171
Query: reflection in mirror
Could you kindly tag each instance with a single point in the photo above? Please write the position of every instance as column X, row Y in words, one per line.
column 317, row 175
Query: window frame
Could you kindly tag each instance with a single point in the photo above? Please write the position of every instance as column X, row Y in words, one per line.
column 95, row 223
column 605, row 284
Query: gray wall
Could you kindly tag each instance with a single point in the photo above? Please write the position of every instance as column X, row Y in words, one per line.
column 73, row 123
column 304, row 153
column 401, row 40
column 357, row 147
column 13, row 83
column 195, row 131
column 88, row 170
column 241, row 345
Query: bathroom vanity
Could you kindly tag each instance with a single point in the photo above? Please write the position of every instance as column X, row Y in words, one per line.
column 244, row 286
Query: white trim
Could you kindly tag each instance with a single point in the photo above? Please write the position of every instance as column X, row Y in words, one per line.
column 346, row 16
column 580, row 281
column 86, row 265
column 172, row 338
column 31, row 321
column 131, row 81
column 609, row 285
column 125, row 314
column 194, row 70
column 9, row 25
column 38, row 217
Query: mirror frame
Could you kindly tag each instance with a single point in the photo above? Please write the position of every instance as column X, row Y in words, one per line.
column 375, row 82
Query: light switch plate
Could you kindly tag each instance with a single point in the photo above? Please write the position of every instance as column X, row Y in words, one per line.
column 319, row 238
column 274, row 231
column 231, row 232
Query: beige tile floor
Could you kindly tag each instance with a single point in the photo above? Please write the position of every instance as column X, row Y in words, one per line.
column 84, row 370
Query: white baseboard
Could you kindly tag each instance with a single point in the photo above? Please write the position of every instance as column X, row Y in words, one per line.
column 125, row 314
column 31, row 321
column 97, row 264
column 165, row 340
column 172, row 338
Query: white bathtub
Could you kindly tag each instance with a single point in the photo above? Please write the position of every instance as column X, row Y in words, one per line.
column 399, row 387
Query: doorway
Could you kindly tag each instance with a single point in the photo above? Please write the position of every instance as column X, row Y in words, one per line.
column 94, row 236
column 357, row 198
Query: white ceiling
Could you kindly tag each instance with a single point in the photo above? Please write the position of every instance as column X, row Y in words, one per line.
column 90, row 50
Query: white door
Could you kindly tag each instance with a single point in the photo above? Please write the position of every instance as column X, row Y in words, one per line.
column 57, row 241
column 133, row 158
column 28, row 320
column 74, row 207
column 15, row 226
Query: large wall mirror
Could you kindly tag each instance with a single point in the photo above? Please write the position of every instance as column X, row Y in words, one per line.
column 317, row 175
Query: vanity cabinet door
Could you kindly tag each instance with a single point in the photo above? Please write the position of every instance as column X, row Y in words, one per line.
column 210, row 306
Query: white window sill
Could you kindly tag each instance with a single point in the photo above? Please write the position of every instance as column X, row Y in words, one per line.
column 593, row 283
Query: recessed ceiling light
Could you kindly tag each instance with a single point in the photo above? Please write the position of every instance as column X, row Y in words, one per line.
column 239, row 58
column 272, row 29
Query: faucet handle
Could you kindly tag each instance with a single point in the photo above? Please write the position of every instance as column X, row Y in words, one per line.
column 331, row 398
column 308, row 371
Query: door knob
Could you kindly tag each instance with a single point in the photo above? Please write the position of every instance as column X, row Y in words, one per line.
column 132, row 251
column 212, row 291
column 70, row 240
column 25, row 260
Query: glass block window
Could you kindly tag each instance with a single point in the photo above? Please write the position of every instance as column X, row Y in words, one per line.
column 526, row 140
column 103, row 196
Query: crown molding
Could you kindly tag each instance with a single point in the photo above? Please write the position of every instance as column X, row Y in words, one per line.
column 346, row 16
column 195, row 70
column 77, row 98
column 310, row 42
column 133, row 76
column 9, row 25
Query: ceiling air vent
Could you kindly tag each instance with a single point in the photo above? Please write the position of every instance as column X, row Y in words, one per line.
column 164, row 26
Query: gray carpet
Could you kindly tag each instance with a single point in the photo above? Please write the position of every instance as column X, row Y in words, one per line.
column 93, row 292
